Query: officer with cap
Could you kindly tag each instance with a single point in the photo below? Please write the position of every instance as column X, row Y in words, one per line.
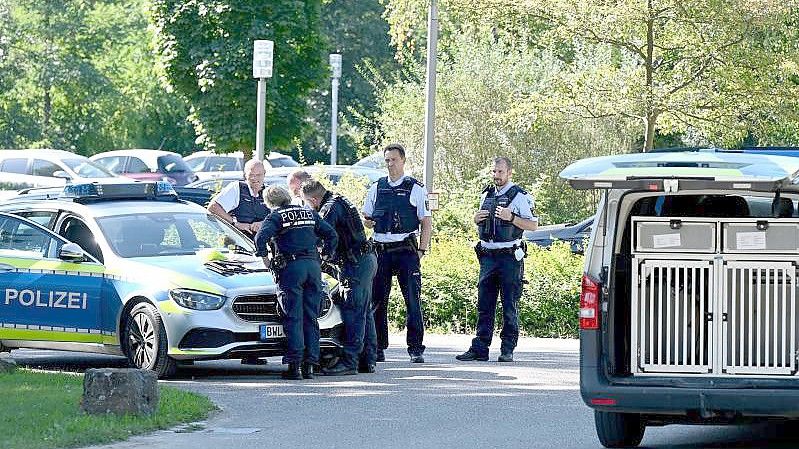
column 240, row 203
column 396, row 207
column 296, row 263
column 357, row 264
column 505, row 212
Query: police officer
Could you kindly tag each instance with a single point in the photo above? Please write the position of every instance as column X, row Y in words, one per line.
column 296, row 230
column 396, row 207
column 505, row 212
column 294, row 180
column 357, row 265
column 241, row 203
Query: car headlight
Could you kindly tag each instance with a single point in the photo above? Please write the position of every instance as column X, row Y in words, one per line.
column 191, row 299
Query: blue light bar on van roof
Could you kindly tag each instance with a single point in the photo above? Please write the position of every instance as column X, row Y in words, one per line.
column 130, row 191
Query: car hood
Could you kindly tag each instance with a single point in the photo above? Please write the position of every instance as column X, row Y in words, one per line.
column 546, row 232
column 194, row 272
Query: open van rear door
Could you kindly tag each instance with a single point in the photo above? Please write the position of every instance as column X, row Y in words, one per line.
column 701, row 170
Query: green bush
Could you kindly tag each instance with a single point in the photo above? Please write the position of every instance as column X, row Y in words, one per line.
column 549, row 303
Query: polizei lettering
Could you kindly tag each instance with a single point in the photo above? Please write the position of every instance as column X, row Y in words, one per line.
column 296, row 217
column 51, row 299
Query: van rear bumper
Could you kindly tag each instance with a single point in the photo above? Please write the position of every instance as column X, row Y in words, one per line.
column 688, row 397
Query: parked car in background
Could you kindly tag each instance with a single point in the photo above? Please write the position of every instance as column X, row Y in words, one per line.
column 281, row 160
column 217, row 183
column 207, row 163
column 147, row 165
column 374, row 160
column 20, row 169
column 576, row 235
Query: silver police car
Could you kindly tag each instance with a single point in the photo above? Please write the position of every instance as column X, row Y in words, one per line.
column 159, row 280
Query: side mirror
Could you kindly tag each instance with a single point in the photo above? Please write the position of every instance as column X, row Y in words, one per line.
column 71, row 252
column 61, row 174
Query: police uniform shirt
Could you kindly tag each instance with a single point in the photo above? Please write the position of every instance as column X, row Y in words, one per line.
column 418, row 199
column 522, row 205
column 229, row 196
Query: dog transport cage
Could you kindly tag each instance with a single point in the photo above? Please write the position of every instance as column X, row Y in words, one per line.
column 714, row 296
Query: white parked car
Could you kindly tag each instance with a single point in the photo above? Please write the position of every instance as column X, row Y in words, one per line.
column 20, row 169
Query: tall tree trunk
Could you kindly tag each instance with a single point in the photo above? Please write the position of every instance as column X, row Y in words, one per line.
column 651, row 113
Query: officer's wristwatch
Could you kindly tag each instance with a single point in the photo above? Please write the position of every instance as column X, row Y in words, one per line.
column 234, row 221
column 422, row 250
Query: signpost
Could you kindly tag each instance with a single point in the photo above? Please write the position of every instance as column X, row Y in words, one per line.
column 335, row 65
column 262, row 56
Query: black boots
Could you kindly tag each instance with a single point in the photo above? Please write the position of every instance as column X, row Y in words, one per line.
column 293, row 372
column 307, row 370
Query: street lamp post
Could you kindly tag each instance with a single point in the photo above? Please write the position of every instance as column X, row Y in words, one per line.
column 261, row 70
column 430, row 109
column 335, row 65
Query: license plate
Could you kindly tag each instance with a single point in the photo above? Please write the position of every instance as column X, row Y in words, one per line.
column 269, row 331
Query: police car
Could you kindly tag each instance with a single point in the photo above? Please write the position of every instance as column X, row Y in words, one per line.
column 149, row 276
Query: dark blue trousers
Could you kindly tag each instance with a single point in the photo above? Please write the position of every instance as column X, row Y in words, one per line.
column 360, row 341
column 404, row 263
column 301, row 282
column 499, row 275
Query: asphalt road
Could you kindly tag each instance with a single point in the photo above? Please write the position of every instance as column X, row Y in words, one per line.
column 532, row 403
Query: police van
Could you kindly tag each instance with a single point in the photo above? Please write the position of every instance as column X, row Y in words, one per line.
column 154, row 278
column 689, row 305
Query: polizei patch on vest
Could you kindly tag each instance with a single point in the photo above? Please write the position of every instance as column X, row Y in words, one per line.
column 294, row 218
column 51, row 299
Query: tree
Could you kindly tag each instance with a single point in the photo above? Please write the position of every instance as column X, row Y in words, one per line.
column 206, row 48
column 359, row 32
column 79, row 75
column 715, row 69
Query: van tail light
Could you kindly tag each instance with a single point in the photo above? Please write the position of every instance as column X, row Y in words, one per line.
column 589, row 304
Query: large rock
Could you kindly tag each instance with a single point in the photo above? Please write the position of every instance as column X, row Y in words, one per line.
column 119, row 391
column 7, row 365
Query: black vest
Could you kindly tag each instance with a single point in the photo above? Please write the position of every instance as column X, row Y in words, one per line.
column 493, row 228
column 348, row 226
column 394, row 212
column 250, row 208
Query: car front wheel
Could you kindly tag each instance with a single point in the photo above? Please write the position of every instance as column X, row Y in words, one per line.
column 144, row 341
column 619, row 429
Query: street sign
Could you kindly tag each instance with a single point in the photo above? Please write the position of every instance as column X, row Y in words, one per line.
column 335, row 64
column 262, row 59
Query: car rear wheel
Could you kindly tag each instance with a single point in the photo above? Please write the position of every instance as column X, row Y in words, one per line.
column 619, row 429
column 144, row 341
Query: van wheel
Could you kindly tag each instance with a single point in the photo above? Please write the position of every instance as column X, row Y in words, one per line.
column 619, row 429
column 144, row 341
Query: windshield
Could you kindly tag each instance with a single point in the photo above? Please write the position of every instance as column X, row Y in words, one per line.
column 85, row 168
column 170, row 234
column 172, row 163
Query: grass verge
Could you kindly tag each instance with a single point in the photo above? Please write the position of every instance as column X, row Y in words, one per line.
column 42, row 411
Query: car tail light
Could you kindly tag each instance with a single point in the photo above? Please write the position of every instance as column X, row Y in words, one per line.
column 589, row 304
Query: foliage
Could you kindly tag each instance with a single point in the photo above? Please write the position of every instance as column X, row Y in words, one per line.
column 549, row 303
column 206, row 47
column 357, row 31
column 43, row 411
column 79, row 75
column 481, row 114
column 717, row 71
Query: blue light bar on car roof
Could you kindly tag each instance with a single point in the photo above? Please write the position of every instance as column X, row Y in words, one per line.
column 132, row 191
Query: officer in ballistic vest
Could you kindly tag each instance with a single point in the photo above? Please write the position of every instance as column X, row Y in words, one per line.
column 396, row 206
column 505, row 212
column 356, row 265
column 240, row 203
column 296, row 230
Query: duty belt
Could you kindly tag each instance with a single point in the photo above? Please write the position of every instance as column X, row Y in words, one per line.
column 499, row 251
column 388, row 247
